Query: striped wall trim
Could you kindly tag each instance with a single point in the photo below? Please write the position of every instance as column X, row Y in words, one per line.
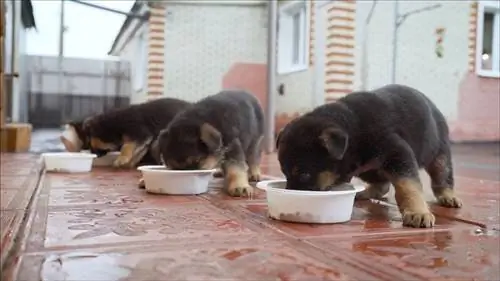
column 156, row 49
column 472, row 35
column 340, row 48
column 312, row 32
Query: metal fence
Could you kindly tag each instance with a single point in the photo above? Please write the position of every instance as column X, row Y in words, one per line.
column 83, row 87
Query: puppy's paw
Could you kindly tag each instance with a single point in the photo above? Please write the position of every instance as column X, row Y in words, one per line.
column 254, row 174
column 418, row 219
column 447, row 198
column 235, row 190
column 121, row 162
column 372, row 192
column 141, row 183
column 219, row 174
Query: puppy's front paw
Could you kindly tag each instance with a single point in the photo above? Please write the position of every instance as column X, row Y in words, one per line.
column 449, row 200
column 235, row 190
column 121, row 162
column 418, row 219
column 254, row 173
column 141, row 183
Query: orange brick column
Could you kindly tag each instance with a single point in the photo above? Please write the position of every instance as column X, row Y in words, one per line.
column 339, row 76
column 156, row 49
column 472, row 36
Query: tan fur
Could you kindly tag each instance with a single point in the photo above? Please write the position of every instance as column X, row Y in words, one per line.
column 254, row 173
column 210, row 136
column 446, row 197
column 236, row 180
column 411, row 203
column 210, row 162
column 444, row 193
column 126, row 154
column 325, row 180
column 99, row 144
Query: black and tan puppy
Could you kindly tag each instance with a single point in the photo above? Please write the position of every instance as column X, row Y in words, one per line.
column 383, row 137
column 226, row 129
column 131, row 129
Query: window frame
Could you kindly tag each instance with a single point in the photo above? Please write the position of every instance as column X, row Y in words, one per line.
column 485, row 6
column 286, row 14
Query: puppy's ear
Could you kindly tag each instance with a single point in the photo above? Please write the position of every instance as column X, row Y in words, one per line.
column 335, row 141
column 210, row 136
column 278, row 138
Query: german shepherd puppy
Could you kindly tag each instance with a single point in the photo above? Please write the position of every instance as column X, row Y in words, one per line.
column 131, row 130
column 226, row 129
column 383, row 137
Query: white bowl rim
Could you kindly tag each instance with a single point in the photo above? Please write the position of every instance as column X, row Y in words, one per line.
column 264, row 185
column 74, row 155
column 152, row 168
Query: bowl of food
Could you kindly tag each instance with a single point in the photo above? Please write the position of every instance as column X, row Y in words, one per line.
column 161, row 180
column 68, row 162
column 333, row 206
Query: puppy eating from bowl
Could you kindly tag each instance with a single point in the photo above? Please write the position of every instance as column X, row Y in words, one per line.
column 223, row 130
column 383, row 137
column 132, row 129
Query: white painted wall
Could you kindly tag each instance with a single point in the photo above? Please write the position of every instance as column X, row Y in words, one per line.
column 298, row 95
column 131, row 54
column 203, row 41
column 417, row 64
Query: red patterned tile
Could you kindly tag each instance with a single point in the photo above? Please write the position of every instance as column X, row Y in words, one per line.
column 367, row 218
column 10, row 221
column 437, row 255
column 94, row 226
column 102, row 197
column 234, row 259
column 94, row 179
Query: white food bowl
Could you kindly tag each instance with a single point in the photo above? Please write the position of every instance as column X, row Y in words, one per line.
column 159, row 179
column 309, row 206
column 69, row 162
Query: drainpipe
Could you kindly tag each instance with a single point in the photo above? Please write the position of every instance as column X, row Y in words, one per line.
column 271, row 75
column 364, row 47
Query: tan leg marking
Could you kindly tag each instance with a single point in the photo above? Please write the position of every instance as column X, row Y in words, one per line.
column 126, row 154
column 236, row 180
column 254, row 173
column 141, row 183
column 411, row 203
column 446, row 197
column 439, row 171
column 211, row 162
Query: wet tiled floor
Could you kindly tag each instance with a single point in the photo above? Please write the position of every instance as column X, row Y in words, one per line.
column 100, row 226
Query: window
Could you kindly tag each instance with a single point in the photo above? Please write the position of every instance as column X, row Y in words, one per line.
column 488, row 39
column 141, row 62
column 293, row 37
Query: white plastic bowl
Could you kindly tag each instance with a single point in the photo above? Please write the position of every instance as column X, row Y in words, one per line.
column 159, row 179
column 69, row 162
column 309, row 206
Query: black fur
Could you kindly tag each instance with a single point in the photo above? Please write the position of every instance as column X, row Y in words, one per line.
column 236, row 120
column 138, row 122
column 380, row 136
